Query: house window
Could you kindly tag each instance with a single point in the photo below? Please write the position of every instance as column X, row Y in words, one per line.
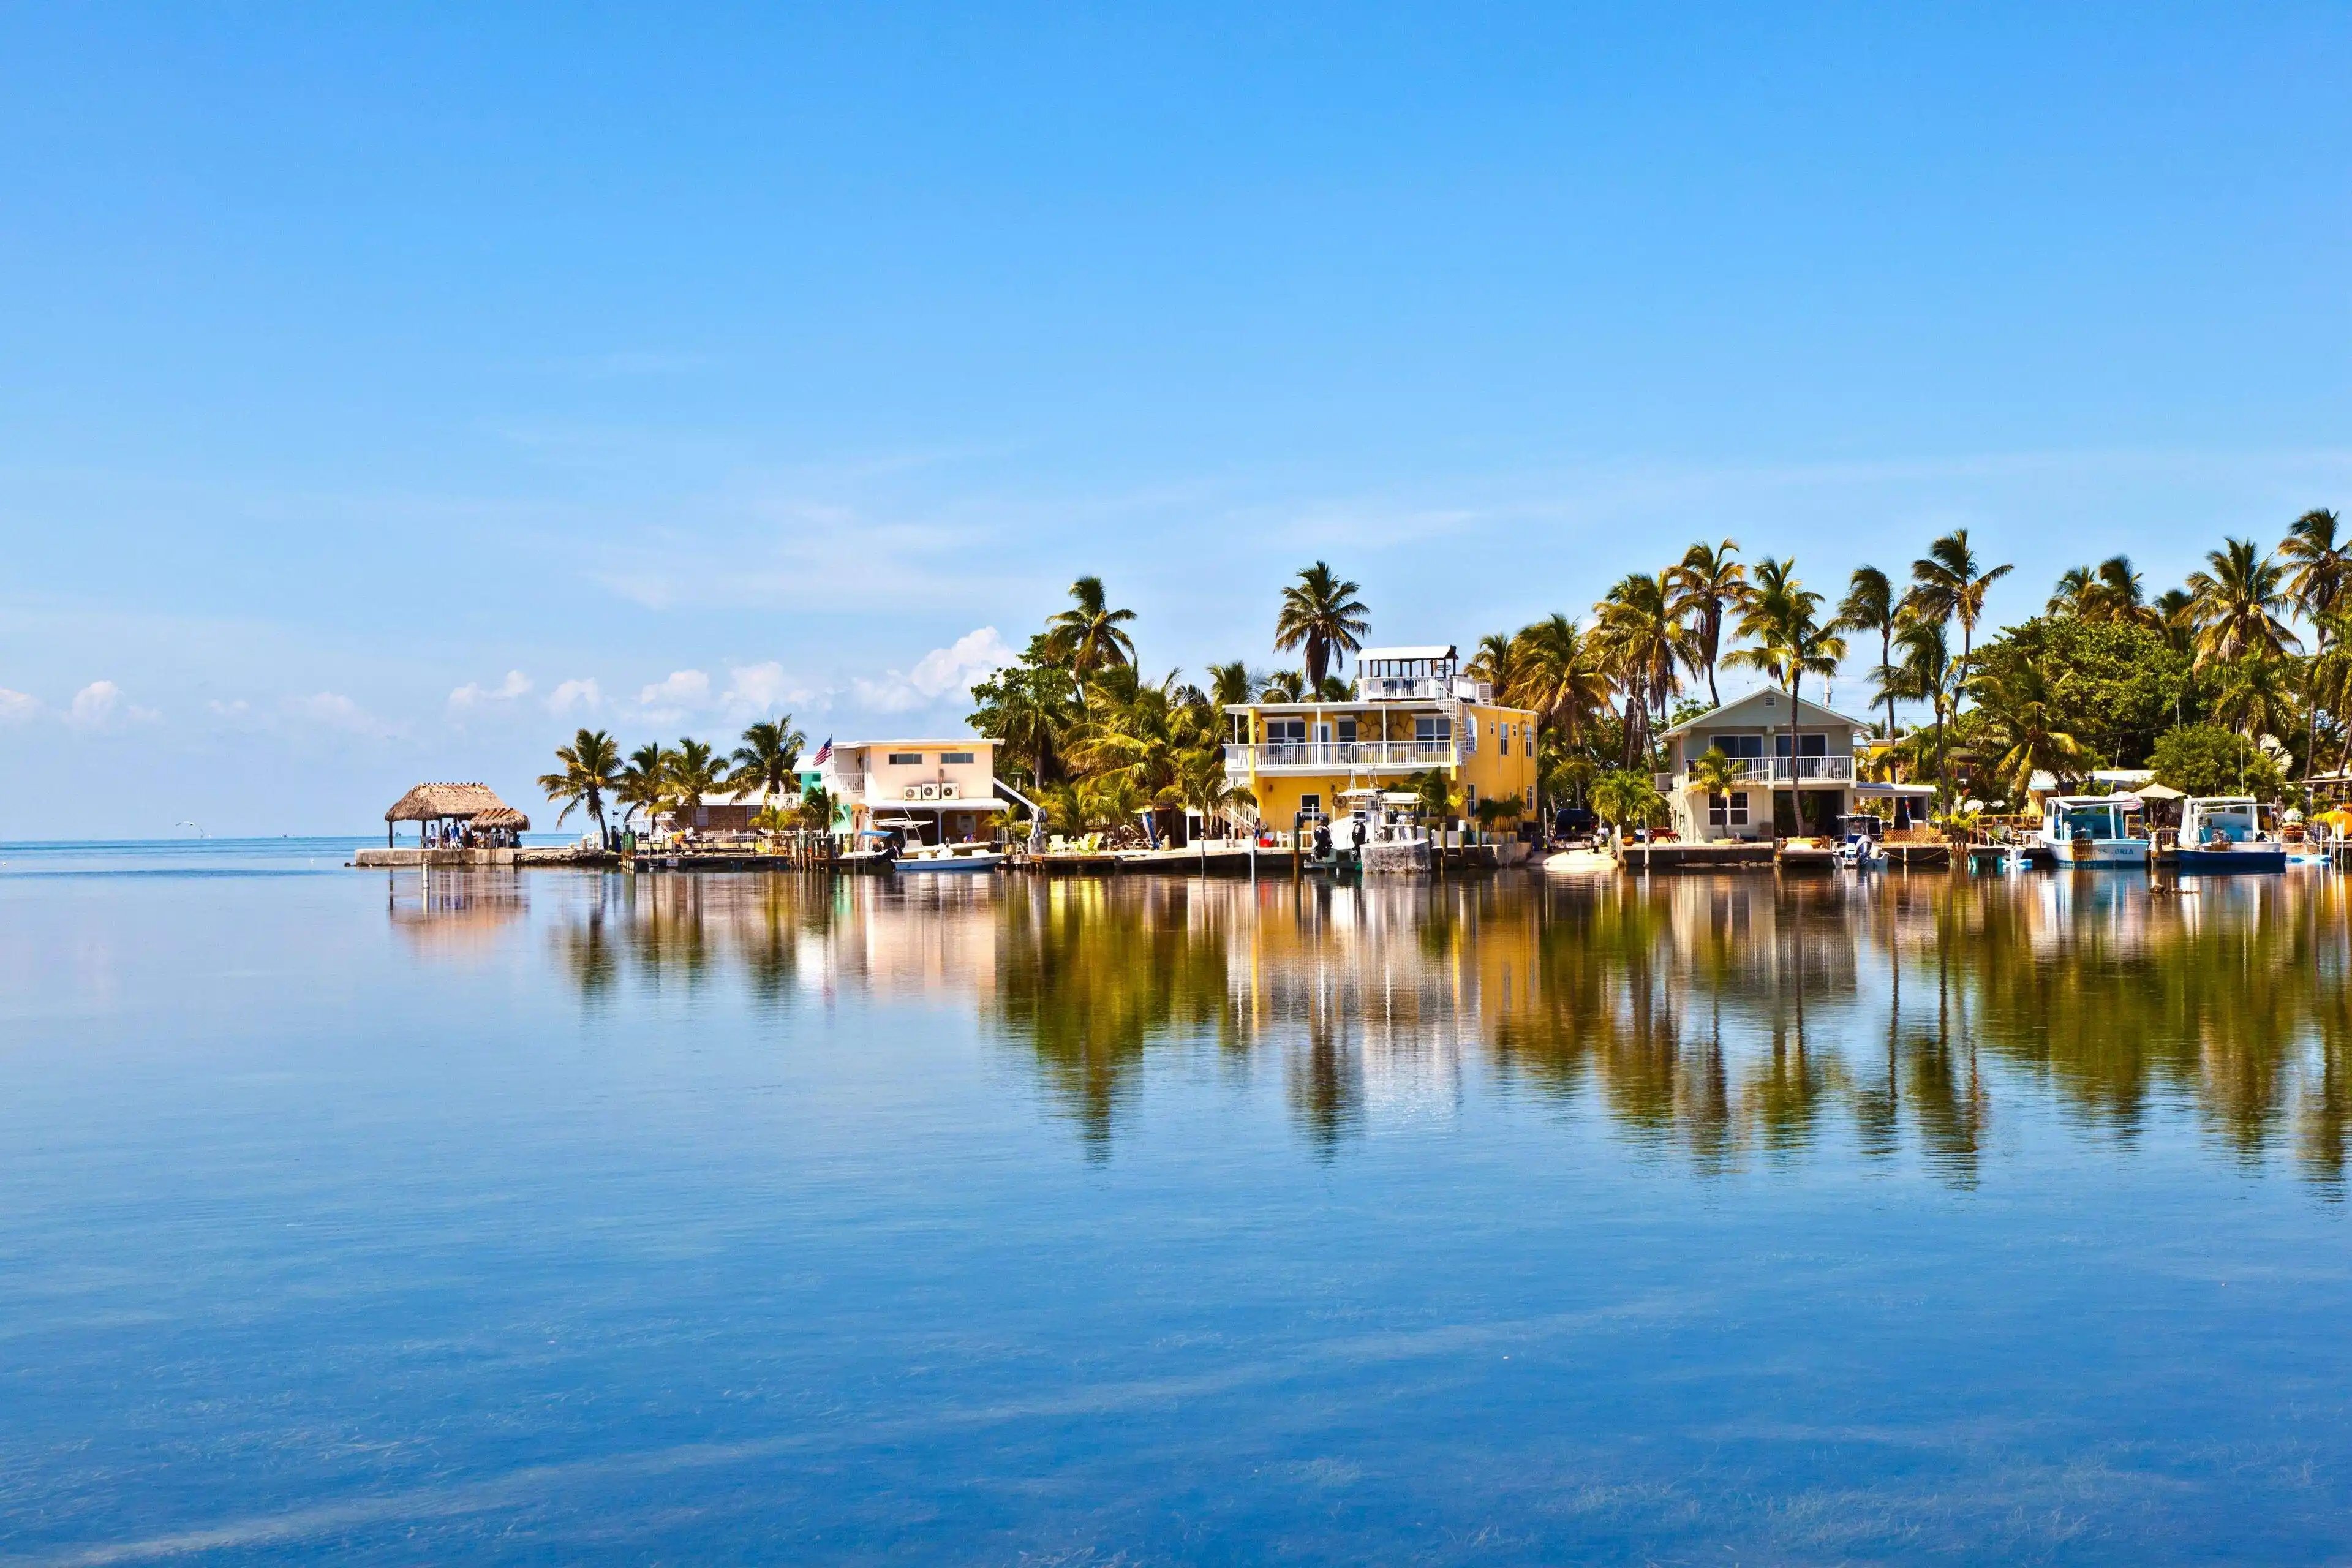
column 1286, row 732
column 1347, row 731
column 1503, row 739
column 1807, row 745
column 1749, row 746
column 1728, row 811
column 1531, row 797
column 1310, row 804
column 956, row 756
column 906, row 759
column 1429, row 730
column 1470, row 797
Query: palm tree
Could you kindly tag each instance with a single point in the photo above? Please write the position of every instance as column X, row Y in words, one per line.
column 1789, row 643
column 2330, row 679
column 2175, row 615
column 1089, row 635
column 1433, row 794
column 1230, row 685
column 1927, row 675
column 814, row 812
column 644, row 783
column 1643, row 638
column 1557, row 669
column 2118, row 595
column 2237, row 603
column 1035, row 708
column 2320, row 564
column 592, row 770
column 2321, row 567
column 1950, row 583
column 1870, row 606
column 2257, row 699
column 1714, row 773
column 2020, row 724
column 1705, row 585
column 695, row 771
column 1321, row 614
column 767, row 758
column 1284, row 685
column 2076, row 592
column 1492, row 662
column 1621, row 795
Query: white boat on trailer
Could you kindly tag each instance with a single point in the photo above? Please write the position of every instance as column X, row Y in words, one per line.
column 2093, row 832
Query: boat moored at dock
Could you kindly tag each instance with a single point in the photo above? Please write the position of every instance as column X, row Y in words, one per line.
column 2227, row 835
column 2093, row 832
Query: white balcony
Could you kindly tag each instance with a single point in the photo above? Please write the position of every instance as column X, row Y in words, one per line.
column 1341, row 756
column 1778, row 771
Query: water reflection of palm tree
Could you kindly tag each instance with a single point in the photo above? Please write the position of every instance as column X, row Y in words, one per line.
column 1700, row 1016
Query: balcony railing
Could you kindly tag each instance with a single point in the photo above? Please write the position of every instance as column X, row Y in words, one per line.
column 1332, row 756
column 1778, row 771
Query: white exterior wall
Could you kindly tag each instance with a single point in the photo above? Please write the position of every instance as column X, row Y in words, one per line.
column 1769, row 727
column 864, row 776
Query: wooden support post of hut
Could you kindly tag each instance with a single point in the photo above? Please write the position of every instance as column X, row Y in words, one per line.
column 448, row 816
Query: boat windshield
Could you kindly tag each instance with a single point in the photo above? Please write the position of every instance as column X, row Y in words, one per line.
column 2234, row 823
column 2100, row 821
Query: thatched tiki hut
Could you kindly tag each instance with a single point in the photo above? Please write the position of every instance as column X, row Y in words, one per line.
column 449, row 810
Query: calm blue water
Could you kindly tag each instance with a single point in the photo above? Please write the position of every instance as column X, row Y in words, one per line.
column 553, row 1217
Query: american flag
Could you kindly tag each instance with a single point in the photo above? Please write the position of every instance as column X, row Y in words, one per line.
column 824, row 751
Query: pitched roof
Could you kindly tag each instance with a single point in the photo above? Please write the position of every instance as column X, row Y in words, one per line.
column 427, row 802
column 1808, row 712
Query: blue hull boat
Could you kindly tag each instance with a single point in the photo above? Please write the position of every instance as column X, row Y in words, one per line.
column 2236, row 859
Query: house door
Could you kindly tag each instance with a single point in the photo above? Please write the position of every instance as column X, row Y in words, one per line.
column 1322, row 742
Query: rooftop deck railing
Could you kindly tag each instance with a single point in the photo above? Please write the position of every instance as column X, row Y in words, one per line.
column 1778, row 771
column 1337, row 755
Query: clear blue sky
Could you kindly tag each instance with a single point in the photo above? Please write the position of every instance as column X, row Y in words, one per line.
column 373, row 381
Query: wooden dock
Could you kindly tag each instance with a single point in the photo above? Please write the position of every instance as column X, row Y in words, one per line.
column 1731, row 855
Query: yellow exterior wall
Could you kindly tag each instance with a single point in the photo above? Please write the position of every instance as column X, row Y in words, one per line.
column 1492, row 770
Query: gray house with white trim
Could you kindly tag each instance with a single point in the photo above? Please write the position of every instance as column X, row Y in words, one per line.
column 1780, row 794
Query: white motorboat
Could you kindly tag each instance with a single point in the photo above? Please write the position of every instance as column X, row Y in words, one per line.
column 2093, row 832
column 2228, row 833
column 938, row 858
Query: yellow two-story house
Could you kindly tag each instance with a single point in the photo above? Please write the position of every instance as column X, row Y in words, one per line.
column 1412, row 711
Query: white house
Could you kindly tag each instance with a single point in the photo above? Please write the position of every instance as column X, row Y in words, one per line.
column 1778, row 794
column 948, row 786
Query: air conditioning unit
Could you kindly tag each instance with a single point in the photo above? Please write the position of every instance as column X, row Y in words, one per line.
column 947, row 791
column 914, row 792
column 930, row 792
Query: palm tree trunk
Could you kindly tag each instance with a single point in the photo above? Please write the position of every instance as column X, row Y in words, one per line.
column 1885, row 657
column 1796, row 786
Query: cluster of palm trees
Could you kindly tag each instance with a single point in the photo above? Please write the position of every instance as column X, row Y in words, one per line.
column 2234, row 620
column 657, row 778
column 1106, row 747
column 1651, row 631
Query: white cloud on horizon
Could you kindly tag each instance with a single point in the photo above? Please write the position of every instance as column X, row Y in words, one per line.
column 943, row 673
column 683, row 689
column 765, row 689
column 472, row 694
column 583, row 694
column 333, row 711
column 16, row 707
column 101, row 705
